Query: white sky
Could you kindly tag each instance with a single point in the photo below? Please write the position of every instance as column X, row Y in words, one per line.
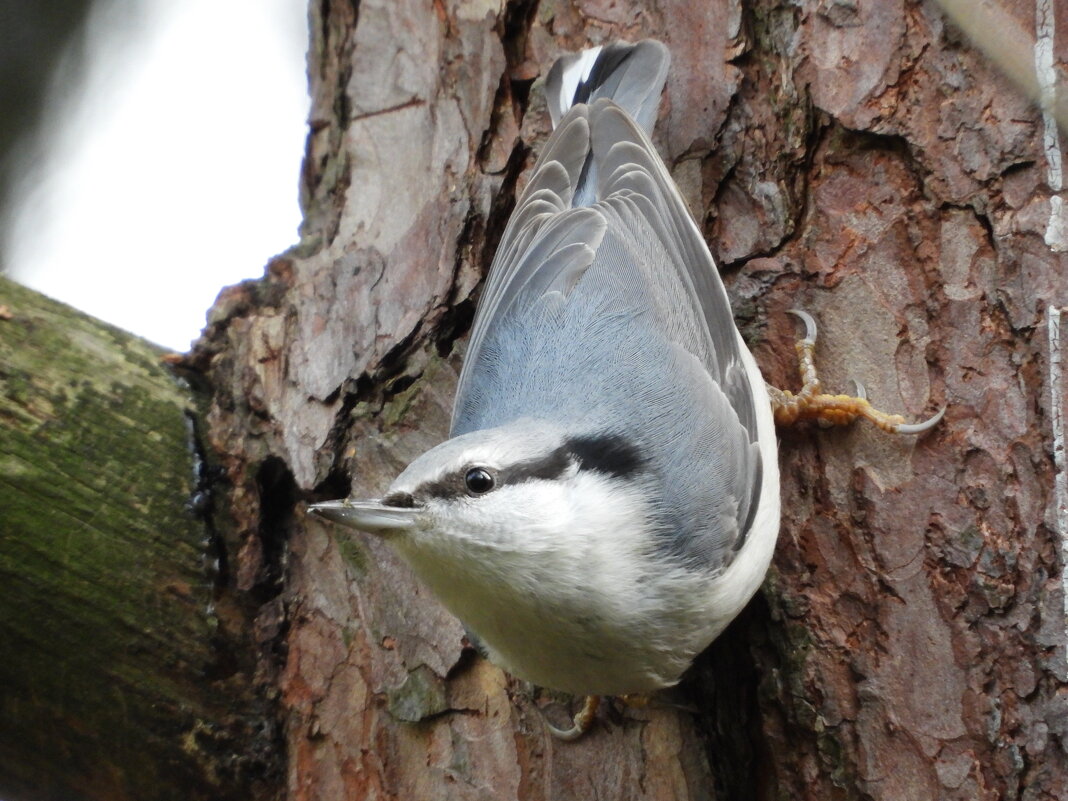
column 173, row 171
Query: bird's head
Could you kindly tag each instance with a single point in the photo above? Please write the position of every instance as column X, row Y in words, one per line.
column 526, row 487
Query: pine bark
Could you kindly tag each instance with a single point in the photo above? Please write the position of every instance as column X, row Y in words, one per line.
column 860, row 160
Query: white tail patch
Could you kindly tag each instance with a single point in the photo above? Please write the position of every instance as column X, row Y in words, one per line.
column 575, row 74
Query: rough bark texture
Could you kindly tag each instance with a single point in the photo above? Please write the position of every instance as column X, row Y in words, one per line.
column 858, row 159
column 117, row 673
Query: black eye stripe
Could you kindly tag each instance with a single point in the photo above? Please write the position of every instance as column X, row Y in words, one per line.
column 402, row 500
column 448, row 486
column 609, row 454
column 547, row 468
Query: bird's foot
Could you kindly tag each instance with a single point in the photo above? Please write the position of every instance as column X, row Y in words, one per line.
column 812, row 404
column 582, row 723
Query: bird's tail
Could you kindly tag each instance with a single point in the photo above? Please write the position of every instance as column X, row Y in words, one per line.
column 631, row 75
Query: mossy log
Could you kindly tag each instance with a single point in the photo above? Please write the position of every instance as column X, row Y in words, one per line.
column 115, row 681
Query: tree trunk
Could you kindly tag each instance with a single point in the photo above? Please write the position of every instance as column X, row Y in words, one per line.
column 858, row 159
column 121, row 674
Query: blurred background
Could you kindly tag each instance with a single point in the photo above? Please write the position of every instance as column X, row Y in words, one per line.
column 149, row 151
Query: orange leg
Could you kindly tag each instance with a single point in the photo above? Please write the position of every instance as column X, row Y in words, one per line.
column 812, row 404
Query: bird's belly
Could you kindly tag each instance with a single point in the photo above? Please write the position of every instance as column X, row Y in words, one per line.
column 567, row 637
column 583, row 662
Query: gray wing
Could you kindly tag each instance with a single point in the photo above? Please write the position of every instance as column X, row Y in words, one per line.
column 620, row 301
column 628, row 164
column 546, row 240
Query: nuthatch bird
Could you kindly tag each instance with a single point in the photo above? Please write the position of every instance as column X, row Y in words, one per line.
column 609, row 498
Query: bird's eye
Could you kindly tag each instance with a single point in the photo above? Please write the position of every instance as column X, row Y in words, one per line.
column 478, row 480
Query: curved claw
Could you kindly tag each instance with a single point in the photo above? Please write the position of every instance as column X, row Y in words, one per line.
column 808, row 320
column 568, row 735
column 919, row 428
column 859, row 390
column 581, row 725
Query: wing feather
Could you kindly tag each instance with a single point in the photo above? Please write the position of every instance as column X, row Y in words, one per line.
column 617, row 141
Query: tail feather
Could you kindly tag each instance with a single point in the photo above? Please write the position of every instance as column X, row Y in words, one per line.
column 631, row 75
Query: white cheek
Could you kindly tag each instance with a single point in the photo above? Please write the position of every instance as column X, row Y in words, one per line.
column 582, row 537
column 612, row 525
column 575, row 515
column 527, row 517
column 579, row 530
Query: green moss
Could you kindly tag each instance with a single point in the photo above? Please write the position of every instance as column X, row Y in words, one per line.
column 348, row 634
column 352, row 551
column 784, row 687
column 422, row 695
column 400, row 405
column 834, row 758
column 103, row 595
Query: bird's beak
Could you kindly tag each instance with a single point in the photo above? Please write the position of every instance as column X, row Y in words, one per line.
column 373, row 517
